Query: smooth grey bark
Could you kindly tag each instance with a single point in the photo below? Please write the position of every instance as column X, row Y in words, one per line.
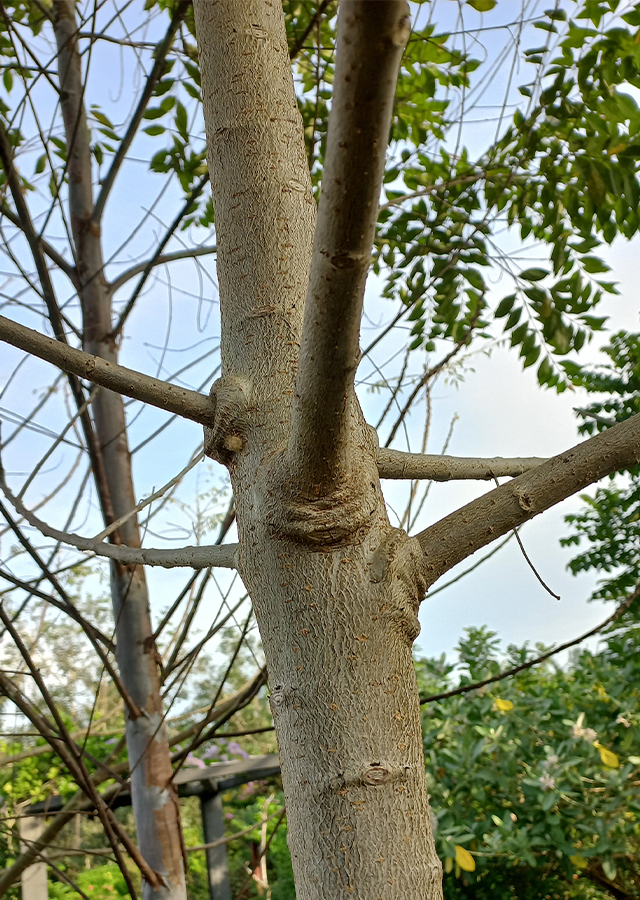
column 370, row 42
column 34, row 879
column 484, row 520
column 336, row 620
column 213, row 826
column 335, row 589
column 155, row 802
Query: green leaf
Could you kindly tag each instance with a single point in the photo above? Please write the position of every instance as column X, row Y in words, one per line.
column 610, row 869
column 545, row 371
column 533, row 274
column 182, row 121
column 154, row 112
column 593, row 265
column 153, row 130
column 482, row 5
column 100, row 117
column 505, row 306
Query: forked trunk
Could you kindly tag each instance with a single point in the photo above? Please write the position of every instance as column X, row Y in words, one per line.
column 334, row 587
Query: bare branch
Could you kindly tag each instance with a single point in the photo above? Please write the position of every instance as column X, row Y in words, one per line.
column 92, row 633
column 221, row 713
column 236, row 835
column 44, row 748
column 53, row 310
column 430, row 374
column 313, row 21
column 370, row 42
column 154, row 76
column 67, row 608
column 458, row 535
column 124, row 315
column 72, row 756
column 161, row 260
column 178, row 400
column 195, row 459
column 508, row 673
column 75, row 804
column 220, row 555
column 431, row 467
column 63, row 264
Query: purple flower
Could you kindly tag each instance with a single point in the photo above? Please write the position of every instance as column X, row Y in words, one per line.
column 234, row 747
column 213, row 750
column 194, row 761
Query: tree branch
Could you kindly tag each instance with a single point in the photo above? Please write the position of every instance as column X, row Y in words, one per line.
column 508, row 673
column 313, row 21
column 181, row 401
column 124, row 315
column 222, row 556
column 431, row 467
column 92, row 633
column 63, row 264
column 154, row 76
column 67, row 608
column 156, row 260
column 371, row 38
column 457, row 536
column 53, row 310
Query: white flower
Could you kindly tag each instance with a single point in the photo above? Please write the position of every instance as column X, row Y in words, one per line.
column 587, row 734
column 547, row 782
column 622, row 721
column 550, row 761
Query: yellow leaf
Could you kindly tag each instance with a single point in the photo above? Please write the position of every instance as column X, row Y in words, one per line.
column 579, row 862
column 464, row 859
column 448, row 865
column 504, row 705
column 608, row 757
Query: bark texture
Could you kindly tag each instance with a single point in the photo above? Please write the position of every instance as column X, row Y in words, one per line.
column 336, row 604
column 154, row 799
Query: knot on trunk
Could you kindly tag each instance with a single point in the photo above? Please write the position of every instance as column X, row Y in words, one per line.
column 332, row 518
column 327, row 521
column 372, row 774
column 396, row 566
column 230, row 398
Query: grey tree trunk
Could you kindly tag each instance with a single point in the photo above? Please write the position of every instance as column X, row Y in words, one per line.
column 155, row 801
column 334, row 587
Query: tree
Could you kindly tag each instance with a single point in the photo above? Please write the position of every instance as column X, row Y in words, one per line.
column 335, row 588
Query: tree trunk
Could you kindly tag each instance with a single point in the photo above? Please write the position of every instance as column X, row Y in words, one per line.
column 334, row 587
column 155, row 802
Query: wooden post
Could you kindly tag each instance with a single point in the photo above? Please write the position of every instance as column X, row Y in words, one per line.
column 213, row 828
column 34, row 878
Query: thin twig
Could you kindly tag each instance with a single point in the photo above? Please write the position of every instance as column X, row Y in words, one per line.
column 508, row 673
